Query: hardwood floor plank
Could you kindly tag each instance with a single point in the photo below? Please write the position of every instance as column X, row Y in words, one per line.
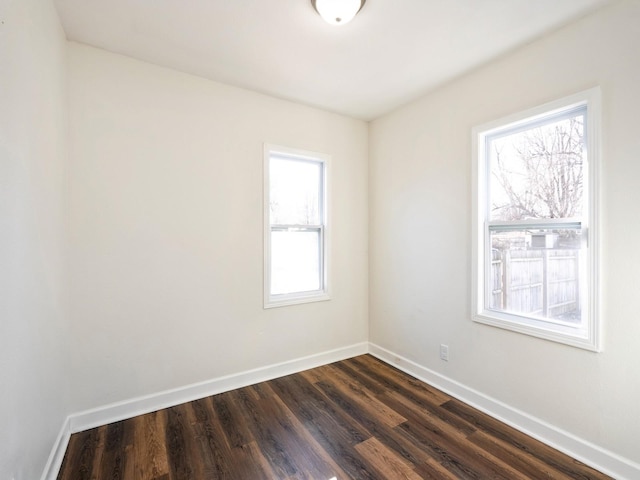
column 354, row 419
column 307, row 458
column 333, row 469
column 250, row 462
column 212, row 445
column 302, row 397
column 265, row 429
column 150, row 455
column 247, row 460
column 385, row 461
column 374, row 387
column 128, row 469
column 331, row 430
column 181, row 454
column 317, row 374
column 462, row 460
column 231, row 420
column 431, row 394
column 99, row 451
column 368, row 420
column 529, row 466
column 204, row 461
column 433, row 470
column 263, row 390
column 78, row 461
column 113, row 464
column 357, row 393
column 426, row 400
column 523, row 442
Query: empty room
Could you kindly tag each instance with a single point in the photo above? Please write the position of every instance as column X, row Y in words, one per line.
column 319, row 239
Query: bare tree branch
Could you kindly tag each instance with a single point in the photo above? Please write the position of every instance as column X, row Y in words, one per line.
column 542, row 175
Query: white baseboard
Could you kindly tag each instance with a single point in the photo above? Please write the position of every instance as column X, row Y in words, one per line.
column 588, row 453
column 599, row 458
column 57, row 453
column 150, row 403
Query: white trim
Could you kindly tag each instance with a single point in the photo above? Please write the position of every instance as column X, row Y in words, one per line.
column 295, row 298
column 54, row 462
column 582, row 450
column 589, row 337
column 588, row 453
column 115, row 412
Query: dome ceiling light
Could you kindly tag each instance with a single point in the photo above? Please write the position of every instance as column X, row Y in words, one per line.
column 338, row 12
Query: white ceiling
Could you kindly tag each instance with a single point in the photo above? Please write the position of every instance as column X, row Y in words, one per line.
column 391, row 53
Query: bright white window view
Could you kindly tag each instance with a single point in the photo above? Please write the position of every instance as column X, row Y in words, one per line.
column 535, row 265
column 296, row 236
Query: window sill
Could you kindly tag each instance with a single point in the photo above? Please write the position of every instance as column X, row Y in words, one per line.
column 567, row 335
column 295, row 299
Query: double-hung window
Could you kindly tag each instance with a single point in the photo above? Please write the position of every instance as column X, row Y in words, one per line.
column 296, row 236
column 535, row 262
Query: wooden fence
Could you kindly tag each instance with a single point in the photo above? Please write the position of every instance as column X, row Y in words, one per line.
column 539, row 281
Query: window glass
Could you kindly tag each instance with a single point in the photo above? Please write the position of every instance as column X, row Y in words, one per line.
column 295, row 192
column 536, row 272
column 295, row 261
column 537, row 172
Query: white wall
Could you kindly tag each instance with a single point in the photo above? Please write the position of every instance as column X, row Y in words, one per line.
column 166, row 229
column 420, row 236
column 33, row 282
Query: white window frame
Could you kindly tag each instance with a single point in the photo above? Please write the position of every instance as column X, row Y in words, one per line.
column 322, row 294
column 588, row 337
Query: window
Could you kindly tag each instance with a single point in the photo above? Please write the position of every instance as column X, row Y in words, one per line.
column 296, row 237
column 535, row 265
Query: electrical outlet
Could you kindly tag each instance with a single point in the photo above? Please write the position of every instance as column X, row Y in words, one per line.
column 444, row 352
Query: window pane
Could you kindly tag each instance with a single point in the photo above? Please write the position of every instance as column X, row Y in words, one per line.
column 537, row 273
column 295, row 261
column 538, row 172
column 295, row 192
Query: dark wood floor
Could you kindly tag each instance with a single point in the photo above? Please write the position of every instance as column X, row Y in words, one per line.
column 355, row 419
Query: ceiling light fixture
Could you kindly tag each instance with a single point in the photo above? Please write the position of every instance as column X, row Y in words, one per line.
column 337, row 12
